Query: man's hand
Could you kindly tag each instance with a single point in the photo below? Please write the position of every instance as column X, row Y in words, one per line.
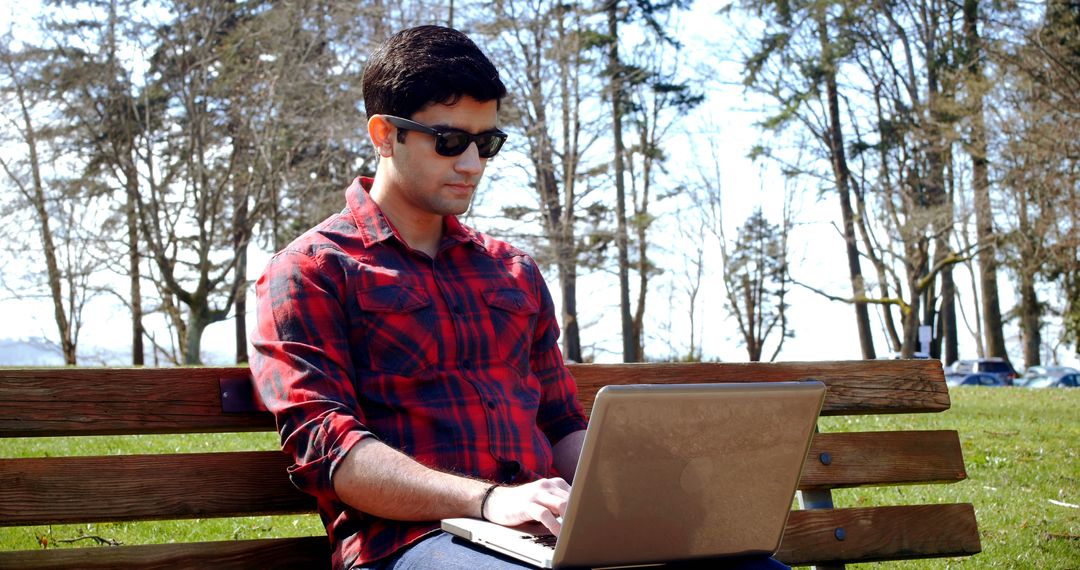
column 541, row 501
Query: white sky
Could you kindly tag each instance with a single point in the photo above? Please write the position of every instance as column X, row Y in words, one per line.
column 824, row 330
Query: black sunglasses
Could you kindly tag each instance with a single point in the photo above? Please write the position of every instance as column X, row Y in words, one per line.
column 453, row 142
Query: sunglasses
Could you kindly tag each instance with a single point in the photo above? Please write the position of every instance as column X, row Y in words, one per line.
column 453, row 142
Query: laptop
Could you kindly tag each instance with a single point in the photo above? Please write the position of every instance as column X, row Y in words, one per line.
column 674, row 472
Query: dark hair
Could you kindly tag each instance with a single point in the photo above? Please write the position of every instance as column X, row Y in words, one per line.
column 427, row 64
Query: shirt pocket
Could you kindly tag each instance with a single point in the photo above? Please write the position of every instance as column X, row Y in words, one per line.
column 398, row 327
column 513, row 320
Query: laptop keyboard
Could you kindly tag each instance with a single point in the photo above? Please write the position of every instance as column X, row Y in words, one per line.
column 547, row 540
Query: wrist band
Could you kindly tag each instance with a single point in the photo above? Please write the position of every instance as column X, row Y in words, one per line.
column 487, row 495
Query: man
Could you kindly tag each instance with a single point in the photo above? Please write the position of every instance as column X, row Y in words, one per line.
column 412, row 363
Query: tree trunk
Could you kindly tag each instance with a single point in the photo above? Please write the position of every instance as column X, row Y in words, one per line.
column 987, row 242
column 621, row 236
column 241, row 237
column 570, row 332
column 951, row 349
column 843, row 176
column 135, row 275
column 1030, row 316
column 198, row 320
column 36, row 196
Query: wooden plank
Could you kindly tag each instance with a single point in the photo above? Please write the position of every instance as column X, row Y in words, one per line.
column 104, row 401
column 859, row 459
column 55, row 490
column 869, row 534
column 276, row 553
column 96, row 489
column 99, row 401
column 840, row 536
column 855, row 387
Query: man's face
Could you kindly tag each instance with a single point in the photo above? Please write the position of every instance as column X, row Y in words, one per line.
column 427, row 184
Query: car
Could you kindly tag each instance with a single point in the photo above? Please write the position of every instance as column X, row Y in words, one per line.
column 1069, row 380
column 997, row 366
column 1045, row 376
column 975, row 379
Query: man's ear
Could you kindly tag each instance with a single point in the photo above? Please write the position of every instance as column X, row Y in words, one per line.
column 382, row 135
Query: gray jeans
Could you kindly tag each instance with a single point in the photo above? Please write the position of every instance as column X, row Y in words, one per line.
column 443, row 551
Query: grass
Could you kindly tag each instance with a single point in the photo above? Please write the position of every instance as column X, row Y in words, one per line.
column 1020, row 447
column 1021, row 452
column 152, row 532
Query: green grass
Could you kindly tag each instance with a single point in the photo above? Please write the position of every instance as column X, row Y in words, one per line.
column 1021, row 452
column 64, row 536
column 1020, row 447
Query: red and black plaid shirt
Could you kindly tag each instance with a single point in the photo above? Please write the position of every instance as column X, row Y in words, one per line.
column 453, row 360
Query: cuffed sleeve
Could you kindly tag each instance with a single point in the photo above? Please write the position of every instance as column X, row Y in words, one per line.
column 302, row 366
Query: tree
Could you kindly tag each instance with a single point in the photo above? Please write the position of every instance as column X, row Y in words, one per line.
column 97, row 97
column 58, row 205
column 267, row 126
column 616, row 94
column 621, row 79
column 756, row 280
column 544, row 51
column 657, row 100
column 972, row 55
column 801, row 34
column 1037, row 120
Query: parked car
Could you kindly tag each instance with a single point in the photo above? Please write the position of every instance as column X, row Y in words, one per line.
column 1045, row 376
column 1068, row 380
column 997, row 366
column 975, row 379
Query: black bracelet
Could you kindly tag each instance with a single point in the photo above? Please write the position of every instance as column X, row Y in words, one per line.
column 487, row 495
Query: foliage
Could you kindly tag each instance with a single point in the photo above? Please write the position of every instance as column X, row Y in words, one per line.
column 757, row 281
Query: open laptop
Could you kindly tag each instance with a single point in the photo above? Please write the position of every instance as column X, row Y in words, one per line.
column 673, row 472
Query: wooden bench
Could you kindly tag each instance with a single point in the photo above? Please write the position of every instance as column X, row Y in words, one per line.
column 88, row 401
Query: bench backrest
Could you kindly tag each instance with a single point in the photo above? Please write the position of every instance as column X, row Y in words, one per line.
column 88, row 401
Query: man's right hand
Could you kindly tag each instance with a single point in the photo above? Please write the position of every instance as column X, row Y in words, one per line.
column 542, row 501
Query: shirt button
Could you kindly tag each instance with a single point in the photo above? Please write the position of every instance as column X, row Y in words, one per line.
column 457, row 310
column 466, row 364
column 491, row 404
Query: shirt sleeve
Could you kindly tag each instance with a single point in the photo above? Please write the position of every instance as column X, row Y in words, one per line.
column 302, row 366
column 560, row 413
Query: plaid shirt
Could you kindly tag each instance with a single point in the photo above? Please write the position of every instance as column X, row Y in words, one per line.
column 453, row 360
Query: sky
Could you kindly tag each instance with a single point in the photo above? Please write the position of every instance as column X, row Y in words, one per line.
column 823, row 329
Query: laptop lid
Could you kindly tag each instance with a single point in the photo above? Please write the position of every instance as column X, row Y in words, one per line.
column 682, row 471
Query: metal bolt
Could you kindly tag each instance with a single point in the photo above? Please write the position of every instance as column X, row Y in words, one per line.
column 825, row 458
column 840, row 534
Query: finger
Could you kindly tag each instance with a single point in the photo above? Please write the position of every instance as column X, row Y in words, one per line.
column 556, row 503
column 548, row 519
column 557, row 483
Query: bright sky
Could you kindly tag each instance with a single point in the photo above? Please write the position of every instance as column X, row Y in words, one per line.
column 823, row 329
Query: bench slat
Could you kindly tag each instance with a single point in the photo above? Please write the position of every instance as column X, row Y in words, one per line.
column 880, row 533
column 270, row 554
column 119, row 401
column 886, row 387
column 859, row 459
column 105, row 401
column 57, row 490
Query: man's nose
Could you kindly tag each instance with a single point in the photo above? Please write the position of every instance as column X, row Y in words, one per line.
column 469, row 161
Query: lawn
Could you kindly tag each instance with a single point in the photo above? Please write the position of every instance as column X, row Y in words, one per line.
column 1020, row 447
column 1021, row 451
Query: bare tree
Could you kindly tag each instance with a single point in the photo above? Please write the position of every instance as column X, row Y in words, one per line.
column 59, row 208
column 544, row 52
